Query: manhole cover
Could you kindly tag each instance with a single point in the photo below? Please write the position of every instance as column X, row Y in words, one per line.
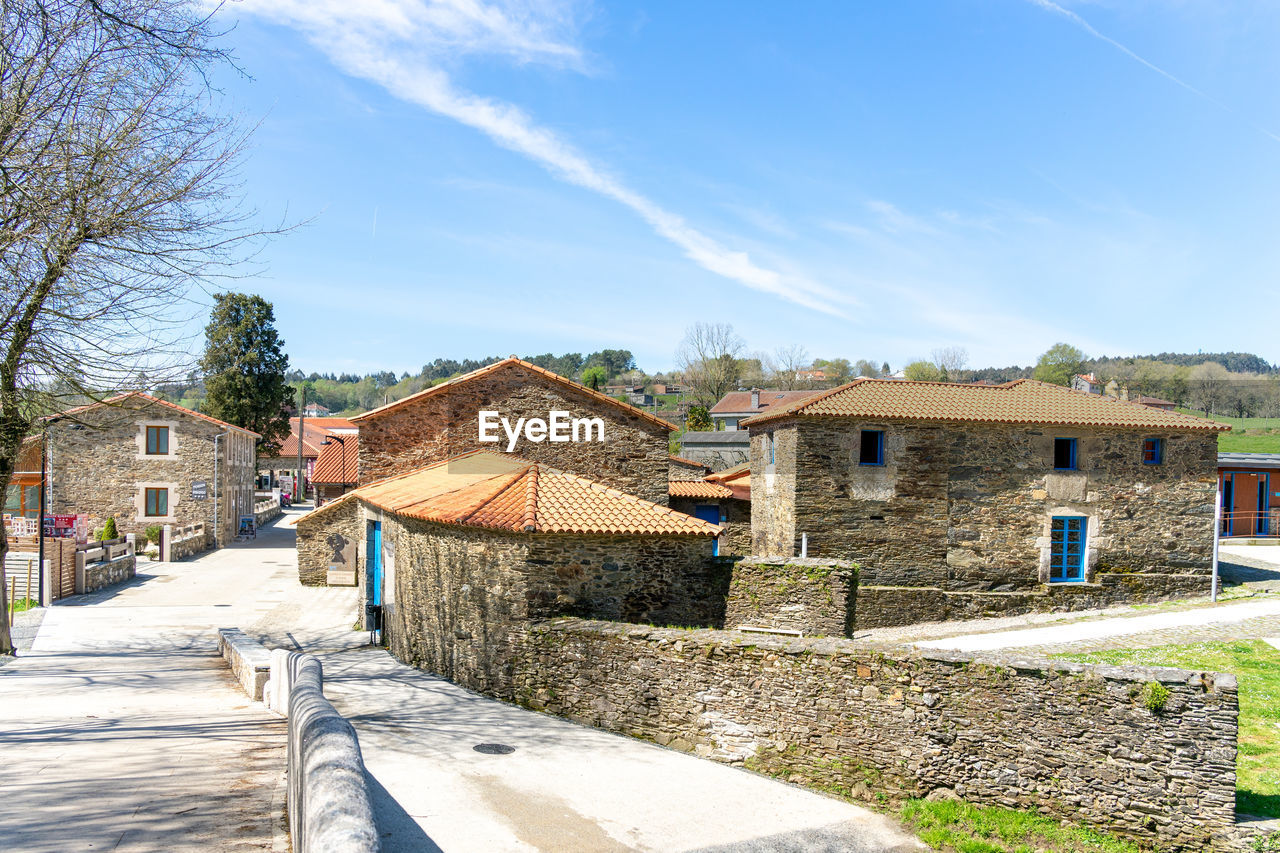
column 494, row 748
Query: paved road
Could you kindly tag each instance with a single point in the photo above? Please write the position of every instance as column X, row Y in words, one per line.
column 121, row 728
column 565, row 787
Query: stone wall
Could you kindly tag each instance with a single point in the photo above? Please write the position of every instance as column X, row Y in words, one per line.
column 632, row 458
column 717, row 450
column 332, row 539
column 682, row 471
column 108, row 573
column 97, row 467
column 463, row 596
column 968, row 508
column 815, row 597
column 265, row 512
column 1069, row 740
column 185, row 547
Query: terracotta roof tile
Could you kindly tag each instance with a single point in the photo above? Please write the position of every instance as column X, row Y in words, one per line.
column 120, row 398
column 738, row 402
column 445, row 387
column 493, row 490
column 680, row 460
column 337, row 461
column 697, row 489
column 1023, row 401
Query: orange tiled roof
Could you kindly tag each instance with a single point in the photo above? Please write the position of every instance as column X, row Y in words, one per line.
column 119, row 398
column 1023, row 401
column 338, row 460
column 738, row 402
column 697, row 489
column 498, row 491
column 445, row 387
column 328, row 422
column 680, row 460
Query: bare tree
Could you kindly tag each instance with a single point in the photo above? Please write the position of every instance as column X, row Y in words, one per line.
column 949, row 361
column 118, row 181
column 1207, row 387
column 709, row 356
column 784, row 363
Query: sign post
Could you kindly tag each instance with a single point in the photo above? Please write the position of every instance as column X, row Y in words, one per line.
column 1217, row 532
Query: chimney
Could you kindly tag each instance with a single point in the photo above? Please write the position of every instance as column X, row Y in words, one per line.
column 755, row 398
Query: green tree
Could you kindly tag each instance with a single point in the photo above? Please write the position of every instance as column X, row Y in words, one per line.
column 923, row 371
column 595, row 377
column 698, row 419
column 109, row 530
column 245, row 365
column 1058, row 364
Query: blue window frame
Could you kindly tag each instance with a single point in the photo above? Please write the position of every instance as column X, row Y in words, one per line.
column 768, row 437
column 1064, row 454
column 1152, row 451
column 871, row 449
column 1066, row 549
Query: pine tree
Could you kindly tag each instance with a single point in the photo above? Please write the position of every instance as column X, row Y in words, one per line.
column 244, row 365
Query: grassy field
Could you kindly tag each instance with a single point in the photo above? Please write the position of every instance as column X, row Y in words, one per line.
column 1248, row 435
column 1257, row 665
column 964, row 828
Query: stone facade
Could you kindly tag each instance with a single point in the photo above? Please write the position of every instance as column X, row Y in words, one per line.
column 331, row 540
column 633, row 457
column 107, row 573
column 815, row 597
column 685, row 471
column 967, row 508
column 98, row 466
column 735, row 518
column 1146, row 753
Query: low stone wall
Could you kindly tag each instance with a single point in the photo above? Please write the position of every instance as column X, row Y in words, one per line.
column 807, row 595
column 1148, row 753
column 892, row 606
column 108, row 573
column 249, row 660
column 329, row 804
column 189, row 546
column 266, row 511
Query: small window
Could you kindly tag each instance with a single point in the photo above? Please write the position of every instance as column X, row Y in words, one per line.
column 871, row 450
column 157, row 502
column 770, row 446
column 1064, row 454
column 158, row 441
column 1152, row 451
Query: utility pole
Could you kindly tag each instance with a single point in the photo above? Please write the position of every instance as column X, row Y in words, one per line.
column 298, row 483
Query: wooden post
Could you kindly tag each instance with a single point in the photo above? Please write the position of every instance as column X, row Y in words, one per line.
column 29, row 564
column 13, row 588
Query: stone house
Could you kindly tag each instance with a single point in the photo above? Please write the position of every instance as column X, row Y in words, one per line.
column 966, row 500
column 736, row 406
column 311, row 433
column 722, row 498
column 145, row 461
column 463, row 553
column 620, row 445
column 335, row 471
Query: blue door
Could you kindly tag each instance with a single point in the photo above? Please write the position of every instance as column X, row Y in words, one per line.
column 373, row 559
column 1264, row 503
column 1066, row 554
column 709, row 513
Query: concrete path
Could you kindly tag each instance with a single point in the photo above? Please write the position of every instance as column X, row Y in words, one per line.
column 1249, row 618
column 121, row 729
column 565, row 787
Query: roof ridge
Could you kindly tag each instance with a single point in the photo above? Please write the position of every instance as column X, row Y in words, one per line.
column 108, row 401
column 512, row 478
column 529, row 523
column 510, row 360
column 800, row 404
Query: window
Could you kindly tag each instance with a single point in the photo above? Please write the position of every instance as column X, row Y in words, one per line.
column 157, row 442
column 1152, row 451
column 770, row 448
column 871, row 450
column 1064, row 454
column 1066, row 549
column 157, row 502
column 22, row 501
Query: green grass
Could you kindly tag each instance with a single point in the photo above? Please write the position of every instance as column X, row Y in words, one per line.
column 1248, row 435
column 1257, row 666
column 951, row 825
column 18, row 605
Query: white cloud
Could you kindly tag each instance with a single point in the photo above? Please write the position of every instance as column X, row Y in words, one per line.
column 403, row 46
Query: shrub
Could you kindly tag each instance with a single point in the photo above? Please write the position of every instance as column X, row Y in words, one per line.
column 1154, row 696
column 109, row 529
column 153, row 533
column 139, row 541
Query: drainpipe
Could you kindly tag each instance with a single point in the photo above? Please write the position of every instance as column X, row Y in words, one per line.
column 44, row 454
column 217, row 493
column 804, row 545
column 1217, row 528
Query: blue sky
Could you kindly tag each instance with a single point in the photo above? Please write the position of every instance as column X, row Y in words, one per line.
column 870, row 180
